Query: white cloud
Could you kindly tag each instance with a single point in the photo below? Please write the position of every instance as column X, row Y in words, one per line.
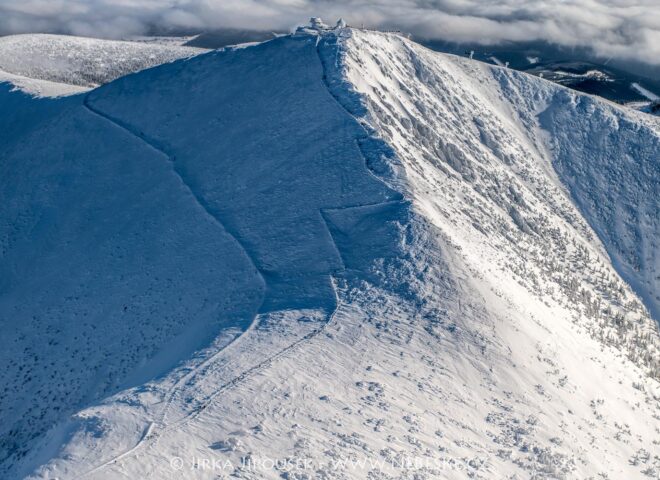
column 619, row 28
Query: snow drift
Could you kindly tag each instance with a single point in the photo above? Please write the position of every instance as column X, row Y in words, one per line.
column 338, row 249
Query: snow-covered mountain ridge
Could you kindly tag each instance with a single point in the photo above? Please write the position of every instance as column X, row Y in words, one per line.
column 389, row 254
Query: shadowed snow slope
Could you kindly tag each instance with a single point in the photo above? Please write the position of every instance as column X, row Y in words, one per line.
column 55, row 65
column 343, row 252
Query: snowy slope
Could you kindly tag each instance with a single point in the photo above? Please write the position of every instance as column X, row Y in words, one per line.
column 513, row 131
column 40, row 88
column 104, row 280
column 55, row 65
column 401, row 263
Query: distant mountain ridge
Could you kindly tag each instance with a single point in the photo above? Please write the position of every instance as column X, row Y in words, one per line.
column 39, row 63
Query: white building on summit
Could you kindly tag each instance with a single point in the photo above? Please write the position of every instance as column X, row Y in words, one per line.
column 316, row 24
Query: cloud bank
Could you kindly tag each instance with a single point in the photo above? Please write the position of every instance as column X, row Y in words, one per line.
column 624, row 29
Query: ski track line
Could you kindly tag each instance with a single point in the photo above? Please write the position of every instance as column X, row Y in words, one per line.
column 263, row 365
column 152, row 435
column 150, row 430
column 176, row 387
column 145, row 434
column 149, row 433
column 205, row 363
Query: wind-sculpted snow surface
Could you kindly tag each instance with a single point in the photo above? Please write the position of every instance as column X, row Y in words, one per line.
column 427, row 296
column 251, row 151
column 445, row 119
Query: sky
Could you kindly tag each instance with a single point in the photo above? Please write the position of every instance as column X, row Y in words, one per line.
column 621, row 29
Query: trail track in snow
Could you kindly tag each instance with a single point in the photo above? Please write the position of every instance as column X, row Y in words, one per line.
column 177, row 386
column 151, row 433
column 199, row 200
